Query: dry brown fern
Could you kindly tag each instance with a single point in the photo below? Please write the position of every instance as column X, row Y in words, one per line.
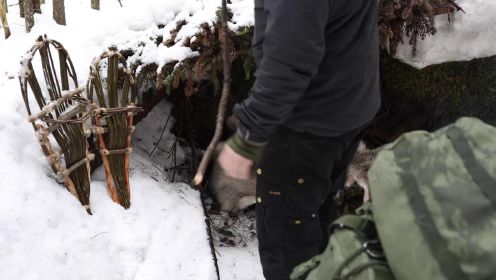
column 411, row 18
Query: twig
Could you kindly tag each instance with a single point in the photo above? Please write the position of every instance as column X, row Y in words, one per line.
column 209, row 230
column 221, row 114
column 161, row 134
column 98, row 234
column 452, row 2
column 163, row 130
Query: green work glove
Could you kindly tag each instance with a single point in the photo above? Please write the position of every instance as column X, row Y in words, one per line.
column 245, row 149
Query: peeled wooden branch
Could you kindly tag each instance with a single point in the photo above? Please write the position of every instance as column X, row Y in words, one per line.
column 221, row 113
column 3, row 18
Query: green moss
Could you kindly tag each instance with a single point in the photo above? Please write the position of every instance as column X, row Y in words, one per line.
column 439, row 94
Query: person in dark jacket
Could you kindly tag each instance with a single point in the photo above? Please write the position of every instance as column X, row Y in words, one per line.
column 316, row 88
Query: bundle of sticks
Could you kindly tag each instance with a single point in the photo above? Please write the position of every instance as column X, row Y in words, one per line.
column 64, row 114
column 113, row 119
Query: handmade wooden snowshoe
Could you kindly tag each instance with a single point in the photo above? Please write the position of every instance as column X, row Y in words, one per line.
column 113, row 119
column 63, row 114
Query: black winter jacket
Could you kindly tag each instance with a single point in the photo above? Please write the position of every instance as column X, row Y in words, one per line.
column 317, row 68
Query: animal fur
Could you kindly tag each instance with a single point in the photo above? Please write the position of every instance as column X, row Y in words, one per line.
column 359, row 168
column 232, row 194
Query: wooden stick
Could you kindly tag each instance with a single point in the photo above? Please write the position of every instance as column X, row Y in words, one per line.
column 130, row 129
column 221, row 113
column 3, row 18
column 106, row 164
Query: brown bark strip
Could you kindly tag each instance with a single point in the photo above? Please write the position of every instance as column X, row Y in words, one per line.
column 106, row 164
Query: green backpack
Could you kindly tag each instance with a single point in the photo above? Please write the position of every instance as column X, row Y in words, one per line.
column 434, row 209
column 353, row 252
column 434, row 202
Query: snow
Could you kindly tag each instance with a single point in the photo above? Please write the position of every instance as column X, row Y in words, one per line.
column 236, row 245
column 470, row 35
column 44, row 231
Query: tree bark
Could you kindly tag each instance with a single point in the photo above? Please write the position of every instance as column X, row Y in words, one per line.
column 5, row 6
column 42, row 1
column 59, row 11
column 3, row 18
column 28, row 15
column 37, row 6
column 95, row 4
column 21, row 7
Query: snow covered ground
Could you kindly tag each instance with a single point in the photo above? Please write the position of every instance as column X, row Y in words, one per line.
column 44, row 232
column 470, row 35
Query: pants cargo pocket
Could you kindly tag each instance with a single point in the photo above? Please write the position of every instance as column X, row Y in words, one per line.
column 302, row 239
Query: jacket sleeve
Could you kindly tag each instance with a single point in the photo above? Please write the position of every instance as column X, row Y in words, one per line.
column 293, row 48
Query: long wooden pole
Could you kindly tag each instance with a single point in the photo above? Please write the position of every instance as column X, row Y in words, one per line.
column 221, row 113
column 3, row 18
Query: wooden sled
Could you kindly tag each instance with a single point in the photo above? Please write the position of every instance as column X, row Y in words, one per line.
column 113, row 119
column 63, row 113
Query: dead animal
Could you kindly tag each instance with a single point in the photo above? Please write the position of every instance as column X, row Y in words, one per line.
column 232, row 194
column 359, row 168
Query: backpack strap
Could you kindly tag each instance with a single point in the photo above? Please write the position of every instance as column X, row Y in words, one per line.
column 447, row 261
column 481, row 177
column 354, row 223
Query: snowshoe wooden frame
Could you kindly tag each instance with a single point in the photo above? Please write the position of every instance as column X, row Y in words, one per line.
column 62, row 116
column 117, row 109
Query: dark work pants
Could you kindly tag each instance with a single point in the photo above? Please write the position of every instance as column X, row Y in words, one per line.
column 297, row 177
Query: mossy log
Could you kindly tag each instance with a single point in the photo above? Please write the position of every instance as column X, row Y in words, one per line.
column 433, row 97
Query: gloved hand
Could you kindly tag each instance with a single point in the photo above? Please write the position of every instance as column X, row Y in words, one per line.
column 237, row 157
